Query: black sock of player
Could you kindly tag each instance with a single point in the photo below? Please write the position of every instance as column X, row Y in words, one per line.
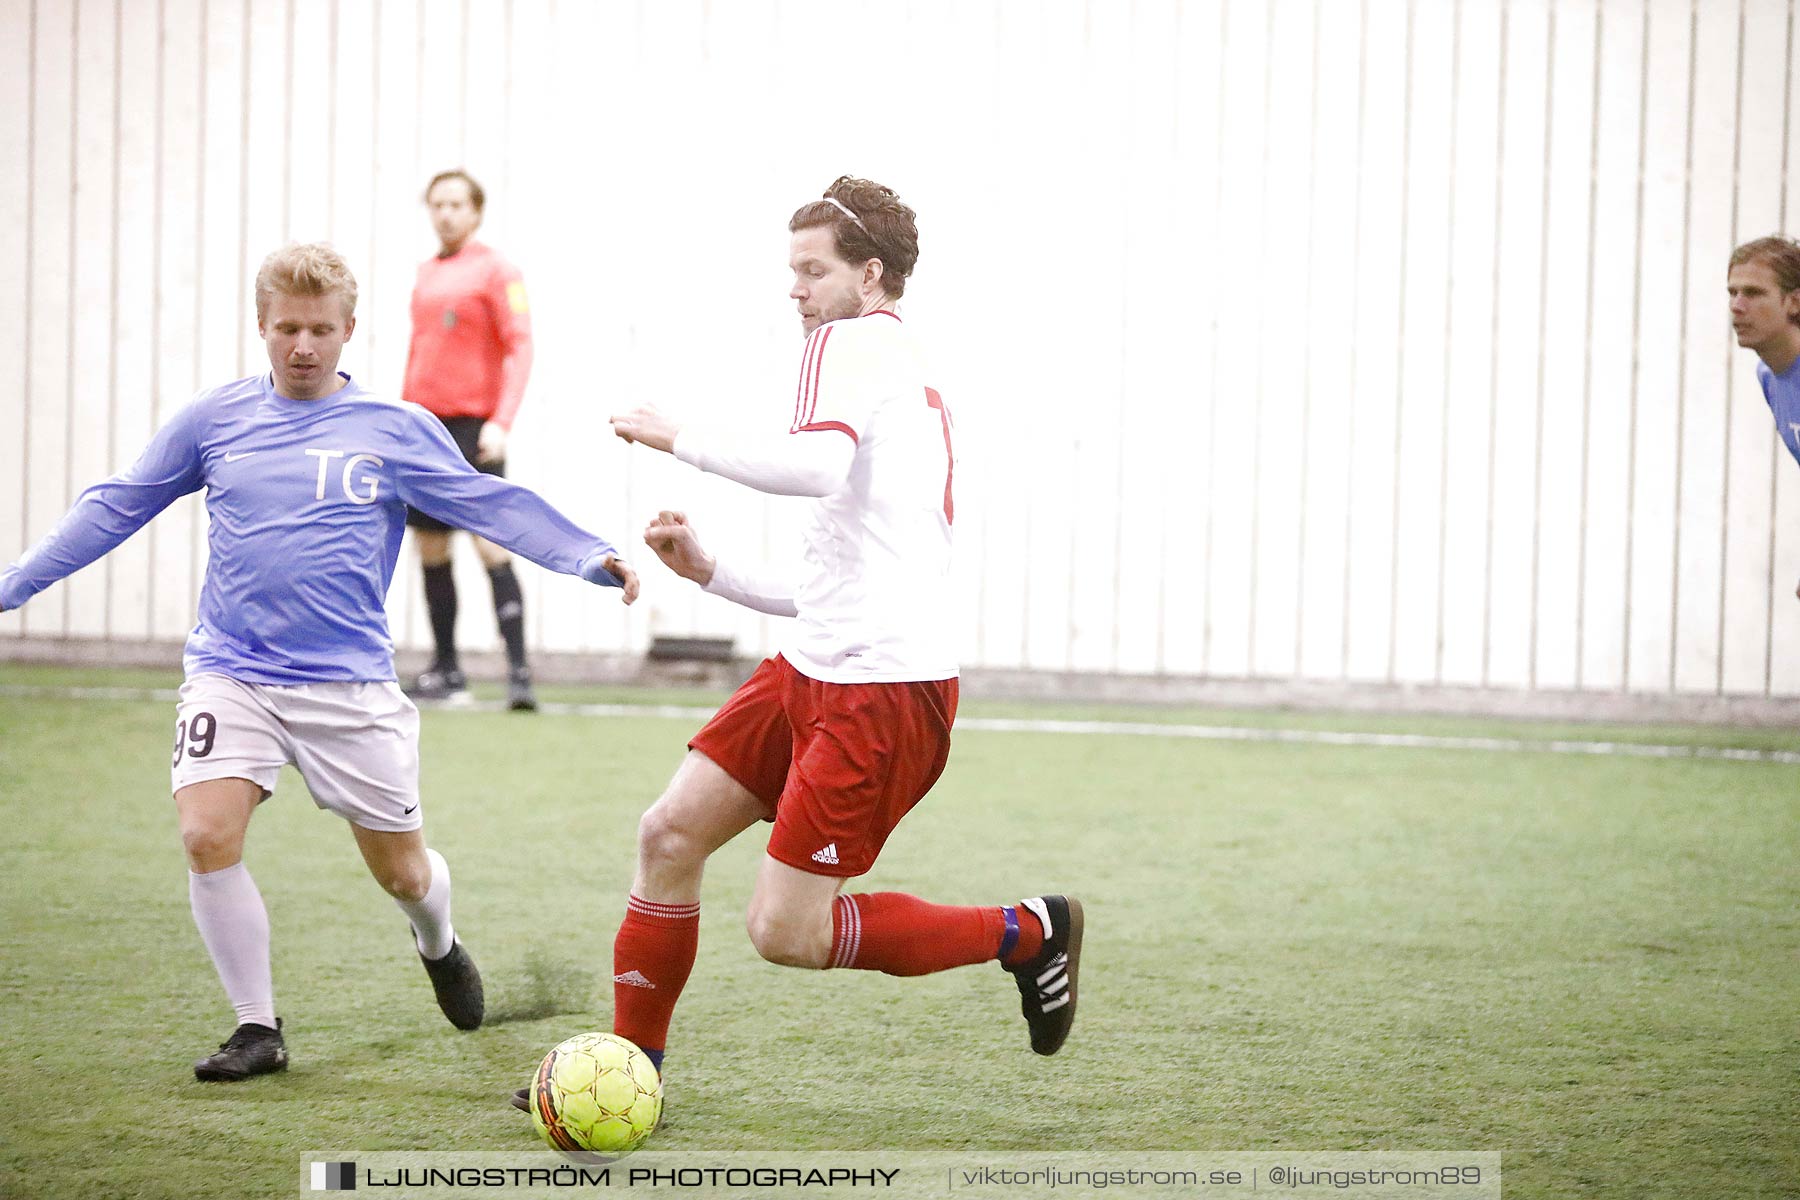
column 509, row 609
column 440, row 602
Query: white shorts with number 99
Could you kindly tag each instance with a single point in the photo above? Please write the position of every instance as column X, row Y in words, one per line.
column 356, row 744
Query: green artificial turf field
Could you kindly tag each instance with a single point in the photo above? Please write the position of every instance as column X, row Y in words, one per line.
column 1587, row 962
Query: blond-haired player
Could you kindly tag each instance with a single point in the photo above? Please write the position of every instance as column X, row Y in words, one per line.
column 308, row 476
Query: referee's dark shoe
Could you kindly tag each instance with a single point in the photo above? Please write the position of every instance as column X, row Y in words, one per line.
column 440, row 685
column 519, row 696
column 250, row 1050
column 458, row 986
column 1047, row 981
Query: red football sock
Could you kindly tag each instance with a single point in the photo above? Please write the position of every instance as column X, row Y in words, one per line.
column 652, row 956
column 904, row 935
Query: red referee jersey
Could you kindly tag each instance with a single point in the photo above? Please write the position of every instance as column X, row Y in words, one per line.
column 471, row 336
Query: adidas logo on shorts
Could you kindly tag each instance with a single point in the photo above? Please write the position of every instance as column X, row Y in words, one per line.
column 633, row 979
column 828, row 855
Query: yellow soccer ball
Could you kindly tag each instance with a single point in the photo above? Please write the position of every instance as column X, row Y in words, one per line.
column 596, row 1092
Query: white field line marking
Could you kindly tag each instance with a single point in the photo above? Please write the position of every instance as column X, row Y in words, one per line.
column 1211, row 733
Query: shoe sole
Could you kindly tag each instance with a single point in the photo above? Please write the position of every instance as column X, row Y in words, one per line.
column 236, row 1076
column 521, row 1100
column 1077, row 921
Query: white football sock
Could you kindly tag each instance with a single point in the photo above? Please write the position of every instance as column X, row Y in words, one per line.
column 430, row 917
column 229, row 912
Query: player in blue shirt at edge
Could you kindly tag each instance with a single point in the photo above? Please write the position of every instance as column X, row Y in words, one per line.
column 307, row 477
column 1763, row 282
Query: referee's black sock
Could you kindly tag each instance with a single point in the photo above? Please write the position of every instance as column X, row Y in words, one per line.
column 509, row 610
column 440, row 602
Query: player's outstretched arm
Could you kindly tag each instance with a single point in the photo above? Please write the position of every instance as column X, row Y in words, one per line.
column 525, row 523
column 434, row 478
column 675, row 542
column 110, row 511
column 802, row 463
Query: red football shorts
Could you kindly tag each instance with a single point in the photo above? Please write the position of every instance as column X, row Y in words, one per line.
column 836, row 765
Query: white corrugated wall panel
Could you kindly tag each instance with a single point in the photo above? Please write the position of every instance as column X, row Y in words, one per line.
column 1286, row 338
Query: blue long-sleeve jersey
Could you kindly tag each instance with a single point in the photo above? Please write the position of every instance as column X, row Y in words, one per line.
column 307, row 505
column 1783, row 394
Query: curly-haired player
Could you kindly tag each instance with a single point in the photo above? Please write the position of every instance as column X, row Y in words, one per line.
column 839, row 735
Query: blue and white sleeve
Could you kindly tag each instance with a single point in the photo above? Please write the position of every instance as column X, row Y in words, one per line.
column 435, row 479
column 111, row 511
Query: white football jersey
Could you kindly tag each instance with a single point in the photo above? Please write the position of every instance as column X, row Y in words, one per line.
column 873, row 600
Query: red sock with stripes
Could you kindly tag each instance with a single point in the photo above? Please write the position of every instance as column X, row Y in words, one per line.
column 904, row 935
column 652, row 957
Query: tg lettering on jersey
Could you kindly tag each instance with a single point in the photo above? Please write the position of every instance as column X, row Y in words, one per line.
column 360, row 486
